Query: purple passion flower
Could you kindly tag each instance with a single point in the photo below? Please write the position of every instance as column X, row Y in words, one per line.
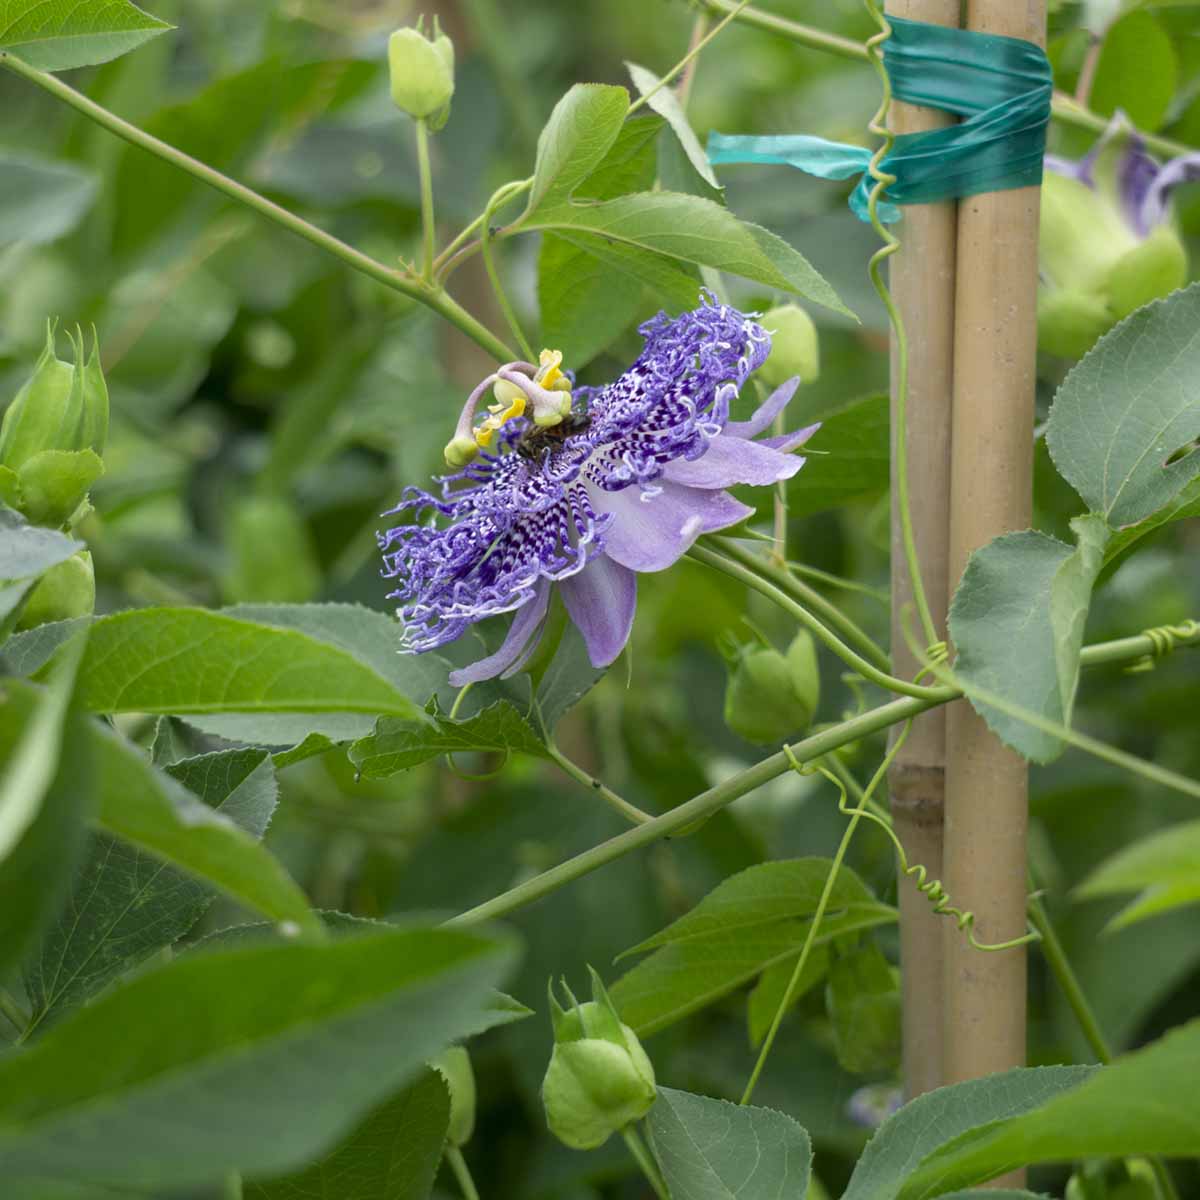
column 1108, row 241
column 585, row 487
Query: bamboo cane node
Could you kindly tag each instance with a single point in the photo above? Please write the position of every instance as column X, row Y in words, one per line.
column 916, row 793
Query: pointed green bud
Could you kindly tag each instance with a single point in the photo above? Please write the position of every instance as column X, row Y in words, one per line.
column 66, row 591
column 93, row 433
column 599, row 1079
column 795, row 347
column 422, row 75
column 770, row 696
column 54, row 483
column 454, row 1066
column 47, row 411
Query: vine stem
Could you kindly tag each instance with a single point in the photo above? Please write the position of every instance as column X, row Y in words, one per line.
column 446, row 260
column 1064, row 109
column 462, row 1173
column 703, row 806
column 489, row 263
column 798, row 590
column 428, row 223
column 712, row 559
column 810, row 938
column 431, row 296
column 629, row 811
column 640, row 1152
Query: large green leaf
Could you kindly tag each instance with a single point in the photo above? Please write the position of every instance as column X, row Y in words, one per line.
column 398, row 745
column 930, row 1121
column 147, row 808
column 255, row 1058
column 192, row 660
column 1145, row 1103
column 392, row 1155
column 664, row 102
column 1017, row 621
column 1136, row 72
column 1164, row 867
column 128, row 903
column 1129, row 408
column 863, row 998
column 46, row 792
column 751, row 922
column 714, row 1150
column 41, row 199
column 846, row 459
column 56, row 35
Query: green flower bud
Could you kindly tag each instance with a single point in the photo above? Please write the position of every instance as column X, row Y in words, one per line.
column 54, row 483
column 61, row 407
column 459, row 451
column 770, row 696
column 454, row 1066
column 1155, row 268
column 1069, row 323
column 65, row 591
column 795, row 349
column 422, row 73
column 1114, row 1179
column 599, row 1079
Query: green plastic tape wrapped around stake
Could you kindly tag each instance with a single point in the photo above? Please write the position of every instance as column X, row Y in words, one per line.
column 1000, row 87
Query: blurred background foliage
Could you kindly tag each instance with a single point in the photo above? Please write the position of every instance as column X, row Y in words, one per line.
column 268, row 405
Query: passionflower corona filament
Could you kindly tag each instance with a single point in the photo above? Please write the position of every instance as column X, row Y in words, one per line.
column 584, row 487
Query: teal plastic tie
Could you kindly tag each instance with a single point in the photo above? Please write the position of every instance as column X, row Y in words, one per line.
column 1001, row 88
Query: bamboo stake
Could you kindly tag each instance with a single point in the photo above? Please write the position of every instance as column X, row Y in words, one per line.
column 991, row 493
column 921, row 276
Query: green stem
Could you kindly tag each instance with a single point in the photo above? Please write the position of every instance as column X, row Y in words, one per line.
column 831, row 640
column 231, row 1189
column 485, row 244
column 644, row 1159
column 799, row 591
column 810, row 938
column 428, row 223
column 682, row 64
column 425, row 293
column 462, row 1173
column 701, row 807
column 629, row 811
column 444, row 263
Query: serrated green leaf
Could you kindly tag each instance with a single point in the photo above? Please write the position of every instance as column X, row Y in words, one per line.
column 750, row 923
column 580, row 132
column 255, row 1058
column 1144, row 1103
column 1164, row 867
column 146, row 807
column 938, row 1117
column 398, row 745
column 392, row 1155
column 185, row 660
column 864, row 1008
column 664, row 102
column 128, row 903
column 713, row 1150
column 1017, row 621
column 45, row 799
column 1128, row 407
column 58, row 35
column 1185, row 505
column 847, row 459
column 767, row 994
column 41, row 199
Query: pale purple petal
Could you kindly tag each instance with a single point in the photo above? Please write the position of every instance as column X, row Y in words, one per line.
column 729, row 461
column 787, row 442
column 520, row 634
column 1184, row 169
column 1137, row 173
column 601, row 600
column 774, row 404
column 652, row 533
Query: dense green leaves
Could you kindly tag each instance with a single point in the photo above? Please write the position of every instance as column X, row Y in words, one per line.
column 846, row 459
column 751, row 922
column 41, row 199
column 663, row 100
column 1164, row 867
column 713, row 1150
column 1017, row 621
column 57, row 35
column 931, row 1121
column 1123, row 423
column 127, row 903
column 1145, row 1103
column 392, row 1155
column 253, row 1058
column 397, row 745
column 181, row 660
